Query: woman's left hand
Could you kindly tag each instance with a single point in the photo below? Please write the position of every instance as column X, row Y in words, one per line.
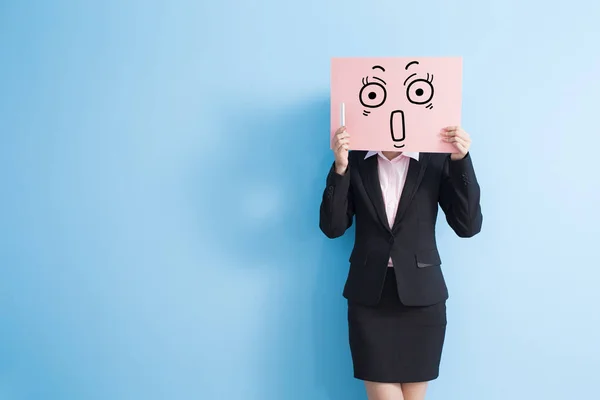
column 459, row 138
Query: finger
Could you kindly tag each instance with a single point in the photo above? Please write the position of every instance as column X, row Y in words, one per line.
column 451, row 128
column 342, row 135
column 342, row 142
column 342, row 151
column 465, row 145
column 462, row 148
column 461, row 140
column 335, row 143
column 343, row 147
column 448, row 132
column 340, row 130
column 454, row 131
column 456, row 138
column 463, row 134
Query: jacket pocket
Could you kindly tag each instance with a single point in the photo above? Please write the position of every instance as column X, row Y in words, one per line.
column 428, row 258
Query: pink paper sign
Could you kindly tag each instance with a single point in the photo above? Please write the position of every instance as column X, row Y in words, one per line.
column 396, row 104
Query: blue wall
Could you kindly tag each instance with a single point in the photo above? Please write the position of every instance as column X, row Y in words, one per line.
column 162, row 163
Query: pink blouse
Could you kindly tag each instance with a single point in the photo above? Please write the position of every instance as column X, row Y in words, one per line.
column 392, row 176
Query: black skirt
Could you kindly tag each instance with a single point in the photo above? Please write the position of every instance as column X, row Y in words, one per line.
column 391, row 342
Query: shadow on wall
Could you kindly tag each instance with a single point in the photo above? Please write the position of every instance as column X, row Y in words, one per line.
column 258, row 195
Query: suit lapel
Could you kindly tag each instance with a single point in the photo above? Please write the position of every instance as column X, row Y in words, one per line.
column 416, row 169
column 370, row 177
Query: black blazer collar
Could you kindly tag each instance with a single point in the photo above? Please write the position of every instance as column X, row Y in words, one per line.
column 370, row 176
column 416, row 170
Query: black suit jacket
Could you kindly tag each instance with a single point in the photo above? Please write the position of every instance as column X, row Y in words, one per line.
column 411, row 242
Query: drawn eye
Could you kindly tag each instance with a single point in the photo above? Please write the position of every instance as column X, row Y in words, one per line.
column 372, row 95
column 420, row 91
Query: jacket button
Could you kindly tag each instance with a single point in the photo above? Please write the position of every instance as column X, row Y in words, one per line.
column 391, row 240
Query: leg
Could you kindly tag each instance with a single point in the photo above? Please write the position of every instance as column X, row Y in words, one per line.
column 383, row 391
column 414, row 391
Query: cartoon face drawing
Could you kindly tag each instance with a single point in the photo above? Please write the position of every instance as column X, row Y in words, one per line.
column 396, row 104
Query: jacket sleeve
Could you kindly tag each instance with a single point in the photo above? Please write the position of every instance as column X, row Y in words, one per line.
column 460, row 197
column 337, row 208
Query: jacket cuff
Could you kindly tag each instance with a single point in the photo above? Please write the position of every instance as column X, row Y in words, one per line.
column 337, row 182
column 462, row 170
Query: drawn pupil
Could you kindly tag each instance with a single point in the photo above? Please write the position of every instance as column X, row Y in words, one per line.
column 419, row 92
column 372, row 95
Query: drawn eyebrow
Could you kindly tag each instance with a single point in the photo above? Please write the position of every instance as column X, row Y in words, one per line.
column 411, row 63
column 379, row 79
column 379, row 67
column 409, row 78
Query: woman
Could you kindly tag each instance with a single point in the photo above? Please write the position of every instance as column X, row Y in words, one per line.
column 395, row 288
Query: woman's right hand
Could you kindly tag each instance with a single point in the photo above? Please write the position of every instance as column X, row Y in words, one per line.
column 341, row 144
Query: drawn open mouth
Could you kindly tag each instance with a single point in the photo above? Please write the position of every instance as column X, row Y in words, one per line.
column 397, row 128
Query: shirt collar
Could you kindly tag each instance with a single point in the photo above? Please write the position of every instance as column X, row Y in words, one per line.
column 412, row 154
